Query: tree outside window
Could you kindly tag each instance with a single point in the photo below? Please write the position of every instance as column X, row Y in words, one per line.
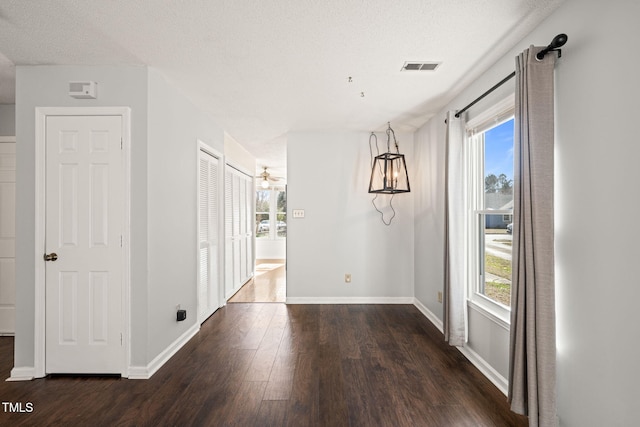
column 281, row 214
column 271, row 213
column 263, row 208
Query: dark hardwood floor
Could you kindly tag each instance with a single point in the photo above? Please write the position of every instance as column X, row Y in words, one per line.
column 281, row 365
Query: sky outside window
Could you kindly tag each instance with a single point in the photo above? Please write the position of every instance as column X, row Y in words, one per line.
column 498, row 150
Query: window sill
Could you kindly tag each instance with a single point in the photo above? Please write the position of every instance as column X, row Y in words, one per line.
column 491, row 311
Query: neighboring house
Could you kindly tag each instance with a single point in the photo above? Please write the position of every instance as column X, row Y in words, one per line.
column 498, row 201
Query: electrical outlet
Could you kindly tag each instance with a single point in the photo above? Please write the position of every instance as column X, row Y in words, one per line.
column 347, row 278
column 440, row 296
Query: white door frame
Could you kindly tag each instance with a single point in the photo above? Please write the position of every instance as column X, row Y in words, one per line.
column 202, row 146
column 40, row 216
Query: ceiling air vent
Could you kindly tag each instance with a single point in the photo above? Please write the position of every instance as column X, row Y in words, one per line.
column 420, row 66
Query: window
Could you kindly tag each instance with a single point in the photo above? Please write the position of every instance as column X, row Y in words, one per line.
column 271, row 213
column 490, row 213
column 263, row 213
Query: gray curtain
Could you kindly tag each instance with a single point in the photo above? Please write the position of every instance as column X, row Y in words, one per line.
column 455, row 300
column 532, row 372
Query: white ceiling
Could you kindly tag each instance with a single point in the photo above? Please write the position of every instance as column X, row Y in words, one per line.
column 265, row 68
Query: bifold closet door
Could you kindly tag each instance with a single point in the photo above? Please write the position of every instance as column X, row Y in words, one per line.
column 209, row 244
column 238, row 229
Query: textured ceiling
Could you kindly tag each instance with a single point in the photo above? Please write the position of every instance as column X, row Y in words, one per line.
column 265, row 68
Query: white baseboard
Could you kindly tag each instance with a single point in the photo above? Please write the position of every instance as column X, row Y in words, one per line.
column 487, row 370
column 145, row 372
column 23, row 373
column 429, row 315
column 349, row 300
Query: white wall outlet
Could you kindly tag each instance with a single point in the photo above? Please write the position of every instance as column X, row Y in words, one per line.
column 298, row 213
column 347, row 278
column 440, row 297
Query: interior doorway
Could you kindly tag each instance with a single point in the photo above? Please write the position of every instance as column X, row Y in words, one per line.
column 270, row 230
column 82, row 280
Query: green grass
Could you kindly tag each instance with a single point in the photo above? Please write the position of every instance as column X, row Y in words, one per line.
column 498, row 266
column 500, row 292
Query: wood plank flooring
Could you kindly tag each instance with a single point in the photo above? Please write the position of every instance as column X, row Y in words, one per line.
column 267, row 285
column 273, row 364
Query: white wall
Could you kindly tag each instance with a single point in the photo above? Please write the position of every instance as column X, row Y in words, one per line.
column 597, row 261
column 46, row 86
column 175, row 125
column 597, row 271
column 328, row 176
column 7, row 120
column 271, row 249
column 165, row 129
column 238, row 156
column 429, row 214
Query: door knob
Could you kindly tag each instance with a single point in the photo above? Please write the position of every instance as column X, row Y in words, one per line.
column 51, row 257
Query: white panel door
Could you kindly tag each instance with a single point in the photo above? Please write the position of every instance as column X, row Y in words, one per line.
column 84, row 220
column 7, row 237
column 208, row 289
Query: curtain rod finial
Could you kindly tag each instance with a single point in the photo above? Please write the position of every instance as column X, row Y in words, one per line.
column 557, row 42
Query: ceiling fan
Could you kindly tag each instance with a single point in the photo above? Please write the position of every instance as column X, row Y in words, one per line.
column 266, row 178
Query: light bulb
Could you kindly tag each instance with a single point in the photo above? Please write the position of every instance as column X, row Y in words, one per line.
column 265, row 184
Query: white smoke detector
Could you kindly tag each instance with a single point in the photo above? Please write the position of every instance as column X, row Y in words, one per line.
column 83, row 90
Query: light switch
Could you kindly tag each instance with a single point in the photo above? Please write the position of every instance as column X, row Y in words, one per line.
column 298, row 213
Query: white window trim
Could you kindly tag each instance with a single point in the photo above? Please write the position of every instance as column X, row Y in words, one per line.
column 274, row 210
column 493, row 116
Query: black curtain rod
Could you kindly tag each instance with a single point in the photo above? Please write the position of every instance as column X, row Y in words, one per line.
column 494, row 87
column 557, row 42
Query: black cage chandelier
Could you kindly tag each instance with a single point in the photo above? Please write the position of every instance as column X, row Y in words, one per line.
column 389, row 170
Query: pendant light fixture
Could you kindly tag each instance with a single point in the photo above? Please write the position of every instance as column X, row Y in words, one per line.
column 389, row 170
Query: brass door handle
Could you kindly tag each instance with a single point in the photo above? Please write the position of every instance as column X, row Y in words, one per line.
column 51, row 257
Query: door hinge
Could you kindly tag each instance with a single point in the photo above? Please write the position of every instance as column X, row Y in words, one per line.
column 121, row 240
column 121, row 143
column 121, row 339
